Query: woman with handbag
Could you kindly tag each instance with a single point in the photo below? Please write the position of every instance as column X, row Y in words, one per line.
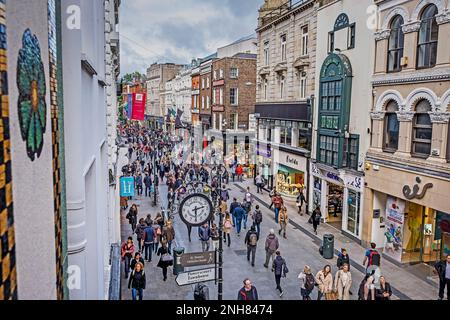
column 300, row 200
column 343, row 283
column 227, row 226
column 166, row 259
column 324, row 279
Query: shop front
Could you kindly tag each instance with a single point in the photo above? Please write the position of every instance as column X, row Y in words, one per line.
column 339, row 196
column 264, row 163
column 291, row 173
column 410, row 215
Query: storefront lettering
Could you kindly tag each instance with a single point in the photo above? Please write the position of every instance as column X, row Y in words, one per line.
column 291, row 160
column 415, row 190
column 332, row 176
column 355, row 183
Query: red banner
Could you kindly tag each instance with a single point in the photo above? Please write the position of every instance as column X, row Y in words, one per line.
column 139, row 100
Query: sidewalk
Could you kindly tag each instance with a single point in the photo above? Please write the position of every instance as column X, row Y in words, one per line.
column 405, row 285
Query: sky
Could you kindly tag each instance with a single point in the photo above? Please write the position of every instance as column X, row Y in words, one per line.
column 179, row 30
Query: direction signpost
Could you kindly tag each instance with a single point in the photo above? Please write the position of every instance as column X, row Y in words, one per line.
column 198, row 259
column 196, row 276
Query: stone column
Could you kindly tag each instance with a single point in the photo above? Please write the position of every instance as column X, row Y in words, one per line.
column 276, row 137
column 410, row 43
column 377, row 130
column 443, row 20
column 294, row 142
column 382, row 42
column 439, row 138
column 405, row 133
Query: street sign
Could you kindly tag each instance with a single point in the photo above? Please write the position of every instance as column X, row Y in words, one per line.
column 195, row 276
column 127, row 187
column 198, row 259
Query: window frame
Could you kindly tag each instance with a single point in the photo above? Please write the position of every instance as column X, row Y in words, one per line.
column 399, row 49
column 331, row 41
column 303, row 84
column 234, row 75
column 305, row 39
column 234, row 96
column 429, row 43
column 283, row 47
column 351, row 36
column 266, row 53
column 416, row 126
column 387, row 115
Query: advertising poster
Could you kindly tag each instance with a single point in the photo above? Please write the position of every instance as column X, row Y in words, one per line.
column 445, row 245
column 127, row 187
column 393, row 237
column 138, row 110
column 130, row 105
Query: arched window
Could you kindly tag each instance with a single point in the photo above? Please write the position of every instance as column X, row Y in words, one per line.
column 422, row 130
column 395, row 49
column 428, row 38
column 391, row 127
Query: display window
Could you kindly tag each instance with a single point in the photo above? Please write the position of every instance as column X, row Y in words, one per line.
column 354, row 208
column 290, row 181
column 335, row 208
column 317, row 193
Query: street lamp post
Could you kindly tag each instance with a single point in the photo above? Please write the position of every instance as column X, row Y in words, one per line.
column 155, row 182
column 220, row 280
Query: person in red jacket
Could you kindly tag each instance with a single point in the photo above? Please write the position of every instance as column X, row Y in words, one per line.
column 248, row 291
column 239, row 172
column 127, row 251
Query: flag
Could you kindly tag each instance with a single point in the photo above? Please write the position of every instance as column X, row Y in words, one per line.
column 138, row 111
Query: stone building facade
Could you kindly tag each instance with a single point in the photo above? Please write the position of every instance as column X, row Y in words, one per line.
column 407, row 166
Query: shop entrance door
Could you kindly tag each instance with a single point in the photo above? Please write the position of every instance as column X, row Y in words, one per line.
column 335, row 205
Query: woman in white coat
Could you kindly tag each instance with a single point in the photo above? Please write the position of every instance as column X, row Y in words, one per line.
column 343, row 283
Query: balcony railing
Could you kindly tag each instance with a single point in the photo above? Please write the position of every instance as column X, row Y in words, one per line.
column 281, row 10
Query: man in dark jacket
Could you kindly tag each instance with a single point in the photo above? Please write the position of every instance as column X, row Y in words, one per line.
column 148, row 184
column 278, row 269
column 251, row 240
column 442, row 268
column 204, row 233
column 342, row 259
column 233, row 205
column 257, row 219
column 149, row 240
column 238, row 213
column 271, row 246
column 248, row 291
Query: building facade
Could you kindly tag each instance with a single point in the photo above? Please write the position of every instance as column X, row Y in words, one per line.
column 341, row 117
column 205, row 92
column 407, row 166
column 233, row 102
column 157, row 76
column 286, row 37
column 195, row 92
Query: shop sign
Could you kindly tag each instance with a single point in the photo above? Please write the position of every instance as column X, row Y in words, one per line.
column 353, row 182
column 395, row 217
column 264, row 150
column 218, row 108
column 292, row 161
column 414, row 192
column 218, row 83
column 252, row 123
column 332, row 176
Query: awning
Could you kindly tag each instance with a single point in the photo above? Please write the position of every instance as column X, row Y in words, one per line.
column 290, row 111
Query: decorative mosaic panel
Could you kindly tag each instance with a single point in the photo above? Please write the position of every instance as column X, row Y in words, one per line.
column 8, row 284
column 57, row 183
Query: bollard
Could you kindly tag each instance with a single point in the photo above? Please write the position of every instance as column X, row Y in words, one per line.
column 177, row 267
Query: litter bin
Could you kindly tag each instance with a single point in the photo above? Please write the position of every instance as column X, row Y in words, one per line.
column 328, row 246
column 177, row 267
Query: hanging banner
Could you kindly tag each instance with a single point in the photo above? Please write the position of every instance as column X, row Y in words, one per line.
column 138, row 111
column 395, row 218
column 129, row 105
column 127, row 187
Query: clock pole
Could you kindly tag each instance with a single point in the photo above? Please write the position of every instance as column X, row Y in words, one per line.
column 220, row 285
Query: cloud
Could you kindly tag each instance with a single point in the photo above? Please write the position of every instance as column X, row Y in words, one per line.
column 179, row 30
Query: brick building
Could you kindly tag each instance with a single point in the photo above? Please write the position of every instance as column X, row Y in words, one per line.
column 205, row 91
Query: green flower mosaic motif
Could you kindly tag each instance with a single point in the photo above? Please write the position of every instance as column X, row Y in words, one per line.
column 31, row 84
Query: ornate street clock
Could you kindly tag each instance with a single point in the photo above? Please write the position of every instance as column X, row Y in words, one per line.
column 196, row 209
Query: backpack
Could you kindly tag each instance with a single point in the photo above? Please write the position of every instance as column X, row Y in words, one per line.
column 224, row 195
column 258, row 217
column 253, row 239
column 374, row 258
column 309, row 282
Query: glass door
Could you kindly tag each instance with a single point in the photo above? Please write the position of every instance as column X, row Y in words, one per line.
column 354, row 200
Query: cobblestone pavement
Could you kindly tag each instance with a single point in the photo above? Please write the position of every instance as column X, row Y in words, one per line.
column 300, row 249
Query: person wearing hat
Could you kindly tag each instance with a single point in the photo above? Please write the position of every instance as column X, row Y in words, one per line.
column 271, row 247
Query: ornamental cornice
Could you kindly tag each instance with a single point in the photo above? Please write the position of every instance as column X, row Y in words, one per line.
column 443, row 18
column 405, row 116
column 427, row 75
column 382, row 35
column 439, row 117
column 411, row 27
column 377, row 115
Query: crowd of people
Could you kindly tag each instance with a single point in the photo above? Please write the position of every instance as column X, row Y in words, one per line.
column 154, row 158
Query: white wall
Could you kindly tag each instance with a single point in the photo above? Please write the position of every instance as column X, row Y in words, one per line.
column 86, row 162
column 246, row 46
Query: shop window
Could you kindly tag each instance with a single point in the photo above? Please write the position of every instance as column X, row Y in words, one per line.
column 391, row 127
column 351, row 147
column 285, row 135
column 354, row 201
column 395, row 47
column 428, row 38
column 329, row 150
column 304, row 138
column 422, row 130
column 289, row 181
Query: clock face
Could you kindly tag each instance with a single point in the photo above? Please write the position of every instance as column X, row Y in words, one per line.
column 196, row 209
